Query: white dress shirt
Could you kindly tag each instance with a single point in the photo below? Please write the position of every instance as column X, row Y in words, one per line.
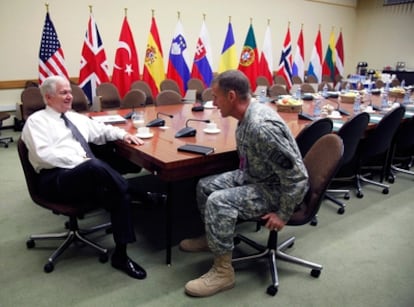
column 51, row 143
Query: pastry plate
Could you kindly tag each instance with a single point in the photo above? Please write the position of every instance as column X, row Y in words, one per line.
column 145, row 135
column 335, row 117
column 211, row 131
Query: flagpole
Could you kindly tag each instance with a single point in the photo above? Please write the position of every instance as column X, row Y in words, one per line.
column 178, row 14
column 152, row 13
column 126, row 11
column 47, row 7
column 229, row 19
column 90, row 9
column 268, row 21
column 204, row 17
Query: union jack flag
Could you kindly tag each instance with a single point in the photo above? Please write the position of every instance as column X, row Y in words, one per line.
column 51, row 58
column 94, row 67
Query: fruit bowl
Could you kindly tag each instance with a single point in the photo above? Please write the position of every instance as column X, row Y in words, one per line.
column 289, row 105
column 396, row 92
column 348, row 97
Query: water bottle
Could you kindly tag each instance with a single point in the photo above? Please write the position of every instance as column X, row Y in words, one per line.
column 407, row 96
column 298, row 94
column 357, row 104
column 384, row 100
column 402, row 83
column 317, row 107
column 387, row 88
column 347, row 87
column 262, row 98
column 325, row 91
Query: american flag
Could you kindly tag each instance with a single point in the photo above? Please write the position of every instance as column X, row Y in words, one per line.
column 94, row 67
column 51, row 58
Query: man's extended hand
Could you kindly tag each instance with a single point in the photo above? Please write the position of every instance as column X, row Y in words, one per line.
column 133, row 139
column 273, row 221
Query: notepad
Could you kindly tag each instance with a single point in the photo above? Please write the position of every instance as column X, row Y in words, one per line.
column 198, row 149
column 110, row 119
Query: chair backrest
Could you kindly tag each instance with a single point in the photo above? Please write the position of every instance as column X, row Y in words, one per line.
column 143, row 86
column 168, row 97
column 321, row 162
column 378, row 140
column 133, row 99
column 404, row 137
column 80, row 101
column 262, row 80
column 351, row 133
column 280, row 80
column 32, row 101
column 311, row 79
column 297, row 80
column 207, row 94
column 379, row 83
column 307, row 88
column 170, row 84
column 32, row 178
column 311, row 133
column 322, row 84
column 196, row 84
column 277, row 89
column 110, row 98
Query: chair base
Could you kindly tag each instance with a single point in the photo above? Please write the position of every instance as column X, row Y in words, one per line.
column 73, row 235
column 361, row 179
column 272, row 252
column 5, row 141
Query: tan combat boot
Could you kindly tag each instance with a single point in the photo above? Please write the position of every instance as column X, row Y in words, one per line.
column 219, row 278
column 195, row 245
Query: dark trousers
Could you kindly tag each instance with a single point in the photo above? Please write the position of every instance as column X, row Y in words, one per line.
column 93, row 181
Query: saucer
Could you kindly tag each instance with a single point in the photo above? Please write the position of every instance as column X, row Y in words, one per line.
column 211, row 131
column 209, row 107
column 335, row 117
column 145, row 135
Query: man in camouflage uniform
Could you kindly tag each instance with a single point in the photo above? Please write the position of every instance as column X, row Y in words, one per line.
column 270, row 182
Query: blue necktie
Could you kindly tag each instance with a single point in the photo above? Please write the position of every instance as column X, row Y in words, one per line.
column 78, row 136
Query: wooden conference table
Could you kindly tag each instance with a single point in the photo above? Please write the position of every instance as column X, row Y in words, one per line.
column 159, row 154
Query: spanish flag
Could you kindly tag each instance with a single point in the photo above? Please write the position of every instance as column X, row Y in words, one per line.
column 154, row 71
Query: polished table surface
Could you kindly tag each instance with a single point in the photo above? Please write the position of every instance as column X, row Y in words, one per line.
column 160, row 156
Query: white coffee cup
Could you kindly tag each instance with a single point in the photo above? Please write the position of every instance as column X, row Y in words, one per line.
column 208, row 104
column 335, row 114
column 369, row 109
column 211, row 126
column 143, row 130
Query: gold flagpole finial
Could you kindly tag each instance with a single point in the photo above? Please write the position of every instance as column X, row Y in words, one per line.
column 90, row 9
column 152, row 13
column 126, row 11
column 333, row 28
column 178, row 14
column 319, row 27
column 47, row 7
column 288, row 23
column 301, row 26
column 268, row 21
column 251, row 20
column 204, row 17
column 229, row 19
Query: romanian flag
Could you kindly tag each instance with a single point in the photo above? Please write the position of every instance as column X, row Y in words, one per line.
column 266, row 57
column 126, row 67
column 315, row 64
column 285, row 64
column 249, row 58
column 228, row 59
column 298, row 67
column 154, row 71
column 328, row 67
column 340, row 56
column 178, row 69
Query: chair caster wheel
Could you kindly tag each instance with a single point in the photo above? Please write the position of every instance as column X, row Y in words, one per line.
column 347, row 196
column 341, row 210
column 66, row 225
column 30, row 243
column 271, row 290
column 103, row 258
column 236, row 240
column 315, row 273
column 108, row 230
column 360, row 195
column 314, row 222
column 385, row 191
column 391, row 179
column 49, row 267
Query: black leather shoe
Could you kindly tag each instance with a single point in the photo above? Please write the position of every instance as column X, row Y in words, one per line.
column 130, row 267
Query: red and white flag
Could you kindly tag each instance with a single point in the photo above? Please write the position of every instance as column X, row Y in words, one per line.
column 94, row 66
column 298, row 67
column 266, row 57
column 126, row 67
column 51, row 58
column 340, row 56
column 285, row 64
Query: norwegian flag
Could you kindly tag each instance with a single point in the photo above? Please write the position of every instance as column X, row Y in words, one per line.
column 94, row 67
column 51, row 58
column 285, row 64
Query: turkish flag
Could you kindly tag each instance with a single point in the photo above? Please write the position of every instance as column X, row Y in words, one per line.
column 126, row 68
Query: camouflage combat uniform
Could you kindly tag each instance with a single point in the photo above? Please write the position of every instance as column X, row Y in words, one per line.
column 271, row 177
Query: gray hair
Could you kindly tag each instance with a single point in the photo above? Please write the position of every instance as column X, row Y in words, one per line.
column 234, row 80
column 48, row 86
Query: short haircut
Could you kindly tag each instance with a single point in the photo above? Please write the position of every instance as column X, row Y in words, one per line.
column 49, row 85
column 234, row 80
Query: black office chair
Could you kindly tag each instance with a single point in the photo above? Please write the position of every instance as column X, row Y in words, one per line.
column 402, row 157
column 312, row 132
column 376, row 146
column 351, row 133
column 321, row 161
column 72, row 211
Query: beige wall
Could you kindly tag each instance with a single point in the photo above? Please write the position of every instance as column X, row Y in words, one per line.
column 22, row 24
